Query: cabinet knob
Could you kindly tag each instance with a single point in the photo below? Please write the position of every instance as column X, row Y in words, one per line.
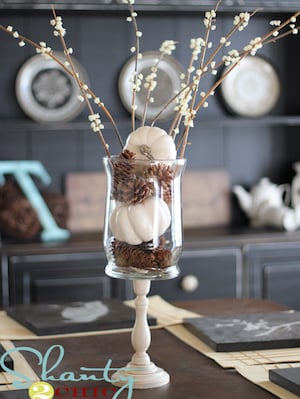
column 189, row 283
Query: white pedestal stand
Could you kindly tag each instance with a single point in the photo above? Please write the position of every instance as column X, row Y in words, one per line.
column 145, row 373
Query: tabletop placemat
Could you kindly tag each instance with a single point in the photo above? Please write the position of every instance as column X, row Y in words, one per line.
column 259, row 375
column 20, row 365
column 11, row 329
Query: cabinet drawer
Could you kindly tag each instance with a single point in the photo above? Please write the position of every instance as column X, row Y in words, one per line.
column 71, row 277
column 205, row 274
column 273, row 272
column 281, row 283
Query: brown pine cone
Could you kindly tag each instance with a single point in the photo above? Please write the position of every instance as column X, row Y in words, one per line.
column 162, row 172
column 142, row 190
column 122, row 168
column 140, row 257
column 59, row 208
column 163, row 257
column 132, row 191
column 19, row 220
column 164, row 176
column 123, row 175
column 9, row 192
column 126, row 154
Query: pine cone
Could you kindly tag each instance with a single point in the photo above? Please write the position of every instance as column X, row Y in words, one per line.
column 142, row 190
column 164, row 176
column 9, row 192
column 127, row 154
column 20, row 220
column 132, row 191
column 59, row 208
column 163, row 257
column 122, row 168
column 123, row 175
column 140, row 257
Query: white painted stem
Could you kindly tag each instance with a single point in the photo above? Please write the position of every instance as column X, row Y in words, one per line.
column 141, row 336
column 144, row 373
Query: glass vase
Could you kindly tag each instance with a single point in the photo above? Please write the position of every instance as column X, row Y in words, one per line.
column 143, row 220
column 143, row 242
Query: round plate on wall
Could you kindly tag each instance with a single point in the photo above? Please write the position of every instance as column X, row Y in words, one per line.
column 168, row 82
column 252, row 89
column 46, row 92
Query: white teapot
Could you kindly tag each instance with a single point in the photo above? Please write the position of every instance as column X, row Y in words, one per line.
column 265, row 193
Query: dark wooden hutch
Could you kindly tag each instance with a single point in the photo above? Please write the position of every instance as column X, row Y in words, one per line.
column 231, row 261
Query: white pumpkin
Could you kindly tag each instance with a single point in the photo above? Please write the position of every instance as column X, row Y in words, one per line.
column 151, row 142
column 137, row 223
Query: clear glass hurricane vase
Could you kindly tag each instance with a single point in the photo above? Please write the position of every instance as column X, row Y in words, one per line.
column 143, row 220
column 143, row 242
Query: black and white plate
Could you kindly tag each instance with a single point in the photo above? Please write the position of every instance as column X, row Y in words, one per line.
column 46, row 92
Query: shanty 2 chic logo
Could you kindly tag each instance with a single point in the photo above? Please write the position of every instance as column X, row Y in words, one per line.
column 44, row 390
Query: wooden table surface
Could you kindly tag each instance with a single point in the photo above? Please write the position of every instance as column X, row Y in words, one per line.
column 193, row 376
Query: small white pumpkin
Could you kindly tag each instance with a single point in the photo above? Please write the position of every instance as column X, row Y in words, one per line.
column 137, row 223
column 151, row 142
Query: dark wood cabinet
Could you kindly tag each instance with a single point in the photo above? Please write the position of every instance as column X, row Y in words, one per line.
column 205, row 273
column 57, row 273
column 215, row 263
column 76, row 276
column 272, row 271
column 51, row 277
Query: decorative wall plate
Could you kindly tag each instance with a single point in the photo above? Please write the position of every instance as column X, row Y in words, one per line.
column 252, row 89
column 46, row 92
column 168, row 82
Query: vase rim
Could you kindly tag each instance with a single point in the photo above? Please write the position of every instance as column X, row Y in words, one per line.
column 181, row 161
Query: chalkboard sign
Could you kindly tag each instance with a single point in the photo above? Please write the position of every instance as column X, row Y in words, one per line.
column 14, row 394
column 288, row 378
column 247, row 331
column 70, row 317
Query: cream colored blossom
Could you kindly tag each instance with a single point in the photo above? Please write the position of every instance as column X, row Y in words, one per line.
column 44, row 50
column 232, row 57
column 167, row 47
column 242, row 20
column 254, row 45
column 209, row 17
column 96, row 124
column 275, row 22
column 57, row 23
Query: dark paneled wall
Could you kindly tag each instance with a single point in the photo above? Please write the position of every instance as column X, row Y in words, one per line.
column 101, row 42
